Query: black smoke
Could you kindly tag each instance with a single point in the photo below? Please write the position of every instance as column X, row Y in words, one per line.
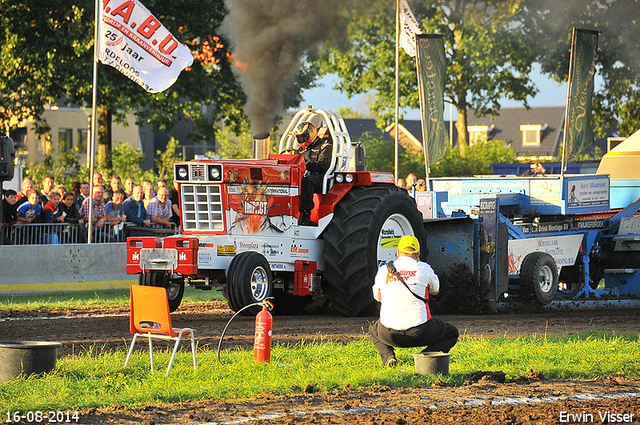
column 269, row 39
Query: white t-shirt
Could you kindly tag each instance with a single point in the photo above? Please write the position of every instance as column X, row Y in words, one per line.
column 399, row 309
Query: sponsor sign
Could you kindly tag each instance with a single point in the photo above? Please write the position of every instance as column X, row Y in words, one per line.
column 134, row 42
column 563, row 249
column 270, row 250
column 297, row 251
column 596, row 223
column 588, row 193
column 559, row 226
column 226, row 250
column 236, row 189
column 247, row 246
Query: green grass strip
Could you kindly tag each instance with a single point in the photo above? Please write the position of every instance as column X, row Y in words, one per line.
column 99, row 379
column 82, row 299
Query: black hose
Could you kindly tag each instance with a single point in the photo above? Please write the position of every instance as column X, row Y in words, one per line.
column 263, row 303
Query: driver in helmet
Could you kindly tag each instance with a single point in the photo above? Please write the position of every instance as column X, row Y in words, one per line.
column 316, row 151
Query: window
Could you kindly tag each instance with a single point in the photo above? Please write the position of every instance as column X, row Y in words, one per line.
column 477, row 133
column 531, row 134
column 19, row 137
column 83, row 140
column 65, row 139
column 44, row 144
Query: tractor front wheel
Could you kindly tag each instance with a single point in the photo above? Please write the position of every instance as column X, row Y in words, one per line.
column 249, row 281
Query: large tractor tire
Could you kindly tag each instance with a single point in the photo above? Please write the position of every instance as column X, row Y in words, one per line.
column 172, row 282
column 363, row 233
column 249, row 281
column 539, row 277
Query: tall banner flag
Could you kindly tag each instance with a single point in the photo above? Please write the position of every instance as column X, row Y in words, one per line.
column 409, row 28
column 134, row 42
column 432, row 68
column 583, row 53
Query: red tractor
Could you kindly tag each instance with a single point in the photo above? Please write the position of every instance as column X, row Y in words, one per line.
column 239, row 229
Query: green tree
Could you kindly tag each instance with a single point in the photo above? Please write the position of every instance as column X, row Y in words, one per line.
column 165, row 161
column 235, row 146
column 46, row 56
column 488, row 57
column 549, row 25
column 380, row 149
column 65, row 169
column 126, row 160
column 480, row 156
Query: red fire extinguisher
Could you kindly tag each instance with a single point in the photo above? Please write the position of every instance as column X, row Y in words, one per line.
column 262, row 343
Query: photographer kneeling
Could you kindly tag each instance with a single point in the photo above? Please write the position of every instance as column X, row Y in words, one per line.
column 405, row 319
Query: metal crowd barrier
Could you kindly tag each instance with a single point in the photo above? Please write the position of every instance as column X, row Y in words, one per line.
column 66, row 233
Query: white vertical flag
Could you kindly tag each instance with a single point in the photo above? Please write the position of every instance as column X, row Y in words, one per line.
column 409, row 27
column 134, row 42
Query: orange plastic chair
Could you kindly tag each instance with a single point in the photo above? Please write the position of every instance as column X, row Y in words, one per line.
column 150, row 318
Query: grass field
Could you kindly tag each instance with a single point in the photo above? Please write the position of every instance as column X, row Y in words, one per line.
column 96, row 378
column 100, row 379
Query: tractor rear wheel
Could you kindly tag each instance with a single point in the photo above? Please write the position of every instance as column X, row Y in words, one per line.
column 539, row 277
column 363, row 234
column 172, row 282
column 249, row 281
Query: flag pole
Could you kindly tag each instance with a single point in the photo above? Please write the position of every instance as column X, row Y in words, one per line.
column 397, row 89
column 94, row 119
column 566, row 108
column 425, row 141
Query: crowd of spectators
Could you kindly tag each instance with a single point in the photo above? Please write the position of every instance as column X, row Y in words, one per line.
column 134, row 209
column 411, row 183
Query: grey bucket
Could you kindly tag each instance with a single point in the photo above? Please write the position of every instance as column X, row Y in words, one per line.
column 26, row 357
column 432, row 362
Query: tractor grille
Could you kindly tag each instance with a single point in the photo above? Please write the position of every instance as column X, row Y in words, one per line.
column 197, row 172
column 202, row 207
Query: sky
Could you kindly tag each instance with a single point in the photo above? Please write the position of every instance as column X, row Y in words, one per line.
column 550, row 94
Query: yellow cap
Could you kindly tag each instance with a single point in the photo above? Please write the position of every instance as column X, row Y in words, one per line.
column 409, row 244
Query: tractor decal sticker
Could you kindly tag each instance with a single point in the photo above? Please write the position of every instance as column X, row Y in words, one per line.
column 513, row 263
column 226, row 250
column 250, row 246
column 389, row 243
column 283, row 175
column 258, row 207
column 299, row 252
column 255, row 208
column 296, row 250
column 270, row 250
column 389, row 236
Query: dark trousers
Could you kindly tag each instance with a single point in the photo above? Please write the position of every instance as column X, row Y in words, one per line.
column 308, row 186
column 435, row 334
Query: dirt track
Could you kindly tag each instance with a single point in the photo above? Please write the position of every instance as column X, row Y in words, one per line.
column 485, row 401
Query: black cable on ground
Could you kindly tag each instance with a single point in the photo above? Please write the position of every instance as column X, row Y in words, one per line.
column 263, row 303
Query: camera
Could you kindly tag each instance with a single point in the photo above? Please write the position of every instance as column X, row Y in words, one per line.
column 7, row 158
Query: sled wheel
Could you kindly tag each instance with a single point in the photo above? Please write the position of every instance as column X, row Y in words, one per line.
column 539, row 276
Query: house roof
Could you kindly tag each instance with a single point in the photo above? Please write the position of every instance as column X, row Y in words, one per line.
column 506, row 126
column 410, row 136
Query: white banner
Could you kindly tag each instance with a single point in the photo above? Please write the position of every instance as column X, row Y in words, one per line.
column 134, row 42
column 409, row 27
